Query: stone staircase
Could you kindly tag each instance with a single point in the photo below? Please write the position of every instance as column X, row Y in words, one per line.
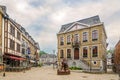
column 79, row 63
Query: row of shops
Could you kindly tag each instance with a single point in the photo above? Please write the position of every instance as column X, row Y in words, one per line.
column 13, row 61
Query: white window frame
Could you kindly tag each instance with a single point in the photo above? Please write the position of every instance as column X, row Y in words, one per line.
column 70, row 53
column 92, row 51
column 75, row 37
column 83, row 36
column 87, row 51
column 69, row 38
column 97, row 33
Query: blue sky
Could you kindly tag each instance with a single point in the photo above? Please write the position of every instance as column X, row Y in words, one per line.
column 43, row 18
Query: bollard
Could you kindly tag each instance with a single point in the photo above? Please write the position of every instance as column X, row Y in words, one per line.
column 4, row 74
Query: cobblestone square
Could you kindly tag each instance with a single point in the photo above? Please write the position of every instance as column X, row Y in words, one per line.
column 48, row 73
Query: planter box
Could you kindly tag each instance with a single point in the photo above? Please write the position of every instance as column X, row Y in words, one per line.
column 60, row 72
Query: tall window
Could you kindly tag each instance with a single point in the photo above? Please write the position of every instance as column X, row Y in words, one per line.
column 12, row 44
column 61, row 54
column 68, row 39
column 12, row 30
column 23, row 51
column 18, row 35
column 76, row 38
column 85, row 52
column 18, row 47
column 94, row 35
column 68, row 53
column 85, row 36
column 94, row 51
column 61, row 41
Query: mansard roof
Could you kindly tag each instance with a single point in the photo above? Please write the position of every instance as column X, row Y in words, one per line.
column 88, row 21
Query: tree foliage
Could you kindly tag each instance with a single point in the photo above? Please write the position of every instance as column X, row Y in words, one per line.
column 42, row 52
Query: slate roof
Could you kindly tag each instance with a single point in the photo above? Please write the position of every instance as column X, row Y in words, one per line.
column 88, row 21
column 48, row 55
column 37, row 45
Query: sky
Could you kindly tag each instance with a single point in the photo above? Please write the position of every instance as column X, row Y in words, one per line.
column 43, row 18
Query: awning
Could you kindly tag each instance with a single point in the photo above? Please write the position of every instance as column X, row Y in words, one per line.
column 16, row 58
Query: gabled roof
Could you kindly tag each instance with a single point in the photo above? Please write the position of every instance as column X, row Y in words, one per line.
column 88, row 21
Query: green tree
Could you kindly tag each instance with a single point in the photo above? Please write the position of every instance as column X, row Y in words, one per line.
column 110, row 51
column 42, row 52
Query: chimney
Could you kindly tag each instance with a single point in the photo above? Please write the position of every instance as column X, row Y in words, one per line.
column 3, row 8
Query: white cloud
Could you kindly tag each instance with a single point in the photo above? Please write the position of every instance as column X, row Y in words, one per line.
column 51, row 14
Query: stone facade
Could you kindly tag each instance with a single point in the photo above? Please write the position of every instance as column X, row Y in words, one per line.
column 116, row 58
column 82, row 51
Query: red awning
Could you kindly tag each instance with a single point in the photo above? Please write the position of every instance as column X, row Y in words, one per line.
column 16, row 58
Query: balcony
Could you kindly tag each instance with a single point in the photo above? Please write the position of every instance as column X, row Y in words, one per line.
column 76, row 44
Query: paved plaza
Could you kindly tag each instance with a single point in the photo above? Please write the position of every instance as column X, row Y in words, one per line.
column 48, row 73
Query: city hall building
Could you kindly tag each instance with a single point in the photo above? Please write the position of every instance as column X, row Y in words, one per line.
column 83, row 44
column 17, row 47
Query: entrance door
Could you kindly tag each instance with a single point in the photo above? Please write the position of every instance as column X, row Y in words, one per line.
column 76, row 53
